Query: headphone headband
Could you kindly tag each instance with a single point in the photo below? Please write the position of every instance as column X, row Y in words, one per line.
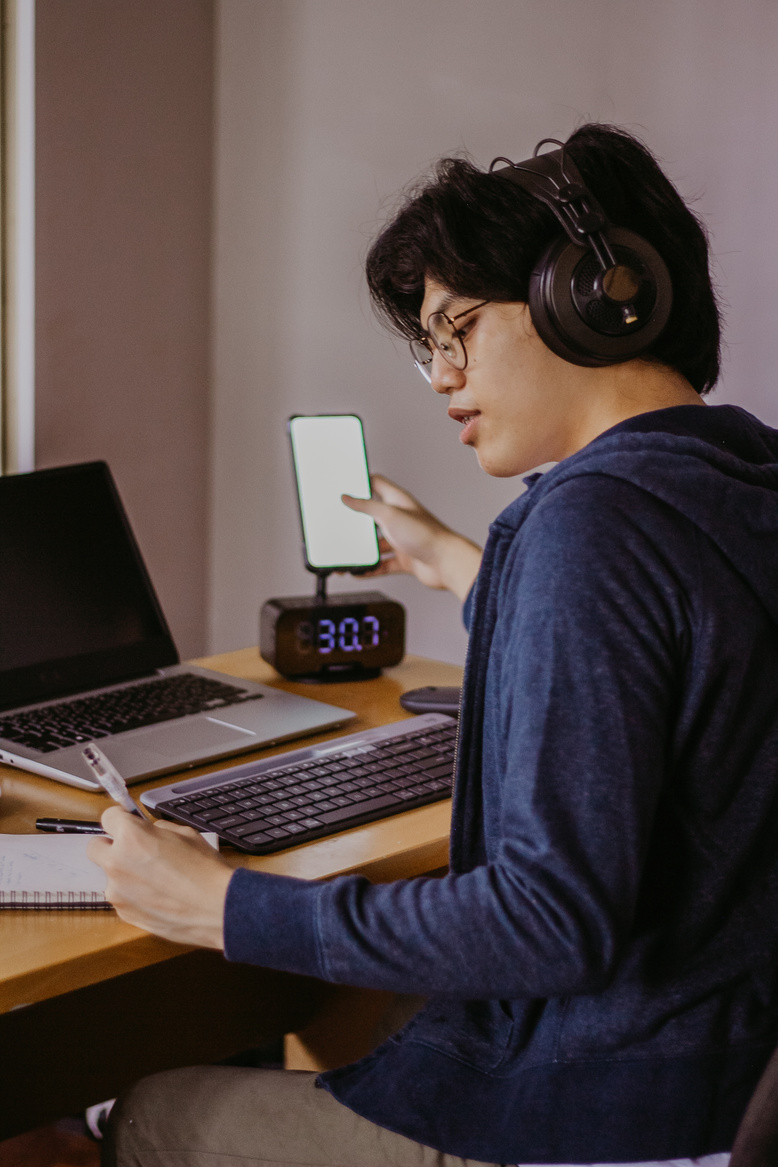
column 589, row 315
column 555, row 180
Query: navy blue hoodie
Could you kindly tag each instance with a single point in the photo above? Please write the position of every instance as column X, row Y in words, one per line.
column 602, row 960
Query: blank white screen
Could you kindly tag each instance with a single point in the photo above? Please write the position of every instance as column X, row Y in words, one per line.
column 329, row 456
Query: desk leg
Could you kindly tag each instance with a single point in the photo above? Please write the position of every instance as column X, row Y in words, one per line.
column 61, row 1055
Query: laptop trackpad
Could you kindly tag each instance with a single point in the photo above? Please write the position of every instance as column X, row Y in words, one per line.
column 189, row 737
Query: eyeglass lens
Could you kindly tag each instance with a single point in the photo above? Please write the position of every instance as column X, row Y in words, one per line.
column 421, row 351
column 446, row 338
column 443, row 335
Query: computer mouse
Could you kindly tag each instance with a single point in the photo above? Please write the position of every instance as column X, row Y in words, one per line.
column 433, row 699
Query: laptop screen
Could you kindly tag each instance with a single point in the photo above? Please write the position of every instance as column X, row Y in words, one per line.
column 77, row 608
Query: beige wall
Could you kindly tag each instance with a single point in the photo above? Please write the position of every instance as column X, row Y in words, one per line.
column 325, row 108
column 124, row 150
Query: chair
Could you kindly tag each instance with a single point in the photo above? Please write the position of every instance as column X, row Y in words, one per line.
column 756, row 1143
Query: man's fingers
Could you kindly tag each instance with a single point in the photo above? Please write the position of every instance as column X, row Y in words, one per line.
column 115, row 820
column 379, row 511
column 366, row 505
column 189, row 833
column 389, row 492
column 98, row 850
column 177, row 828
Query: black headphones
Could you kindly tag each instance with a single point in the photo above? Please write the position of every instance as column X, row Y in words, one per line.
column 599, row 294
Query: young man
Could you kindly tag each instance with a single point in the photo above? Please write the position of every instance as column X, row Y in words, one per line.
column 602, row 960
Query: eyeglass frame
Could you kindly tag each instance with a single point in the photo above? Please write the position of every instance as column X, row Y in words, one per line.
column 427, row 338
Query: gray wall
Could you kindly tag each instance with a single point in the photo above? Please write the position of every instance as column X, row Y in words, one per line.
column 325, row 108
column 124, row 154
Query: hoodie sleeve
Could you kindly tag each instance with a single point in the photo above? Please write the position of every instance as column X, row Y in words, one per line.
column 582, row 668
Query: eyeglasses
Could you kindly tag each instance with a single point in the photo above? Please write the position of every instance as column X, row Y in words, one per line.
column 443, row 335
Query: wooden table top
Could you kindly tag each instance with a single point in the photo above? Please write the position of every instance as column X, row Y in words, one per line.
column 43, row 954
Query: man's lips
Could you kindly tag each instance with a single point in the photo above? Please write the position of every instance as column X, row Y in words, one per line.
column 466, row 418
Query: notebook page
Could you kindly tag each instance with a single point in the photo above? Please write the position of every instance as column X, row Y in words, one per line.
column 48, row 863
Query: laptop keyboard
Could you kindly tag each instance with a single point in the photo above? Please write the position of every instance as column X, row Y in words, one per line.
column 52, row 727
column 291, row 803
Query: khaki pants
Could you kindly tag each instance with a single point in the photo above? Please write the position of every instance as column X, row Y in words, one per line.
column 211, row 1116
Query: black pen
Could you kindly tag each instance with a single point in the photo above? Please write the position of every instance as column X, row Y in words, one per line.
column 69, row 826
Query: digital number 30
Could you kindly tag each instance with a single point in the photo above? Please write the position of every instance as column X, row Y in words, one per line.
column 346, row 635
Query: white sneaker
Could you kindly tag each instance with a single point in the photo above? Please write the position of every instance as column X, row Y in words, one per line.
column 96, row 1117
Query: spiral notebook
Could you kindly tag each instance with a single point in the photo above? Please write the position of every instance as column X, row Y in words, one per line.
column 49, row 871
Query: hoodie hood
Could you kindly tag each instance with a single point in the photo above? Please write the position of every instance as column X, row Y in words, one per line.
column 717, row 465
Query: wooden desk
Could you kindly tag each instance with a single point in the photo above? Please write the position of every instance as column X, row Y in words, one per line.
column 88, row 1003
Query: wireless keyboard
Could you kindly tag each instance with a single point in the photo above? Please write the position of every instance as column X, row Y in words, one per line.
column 306, row 794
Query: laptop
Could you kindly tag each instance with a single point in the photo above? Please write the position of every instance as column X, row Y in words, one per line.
column 86, row 653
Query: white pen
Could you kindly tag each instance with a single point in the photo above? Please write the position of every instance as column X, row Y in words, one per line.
column 110, row 779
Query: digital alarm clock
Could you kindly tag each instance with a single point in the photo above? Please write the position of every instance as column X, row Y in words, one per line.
column 346, row 636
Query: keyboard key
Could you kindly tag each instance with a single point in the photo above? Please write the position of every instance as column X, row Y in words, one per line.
column 206, row 815
column 440, row 771
column 225, row 824
column 244, row 829
column 253, row 816
column 337, row 816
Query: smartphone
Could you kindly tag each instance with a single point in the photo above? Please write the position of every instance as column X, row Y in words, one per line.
column 330, row 459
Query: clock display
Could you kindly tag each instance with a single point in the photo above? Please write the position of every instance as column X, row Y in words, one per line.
column 358, row 631
column 350, row 634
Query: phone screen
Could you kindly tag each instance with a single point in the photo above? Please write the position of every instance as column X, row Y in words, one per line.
column 330, row 460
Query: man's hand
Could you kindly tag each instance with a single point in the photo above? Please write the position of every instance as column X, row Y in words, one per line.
column 414, row 541
column 163, row 877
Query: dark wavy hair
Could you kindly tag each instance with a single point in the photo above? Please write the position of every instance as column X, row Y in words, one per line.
column 479, row 236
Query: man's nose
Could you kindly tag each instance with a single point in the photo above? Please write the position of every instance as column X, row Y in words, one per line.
column 444, row 378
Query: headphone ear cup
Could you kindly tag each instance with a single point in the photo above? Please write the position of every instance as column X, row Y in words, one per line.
column 576, row 319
